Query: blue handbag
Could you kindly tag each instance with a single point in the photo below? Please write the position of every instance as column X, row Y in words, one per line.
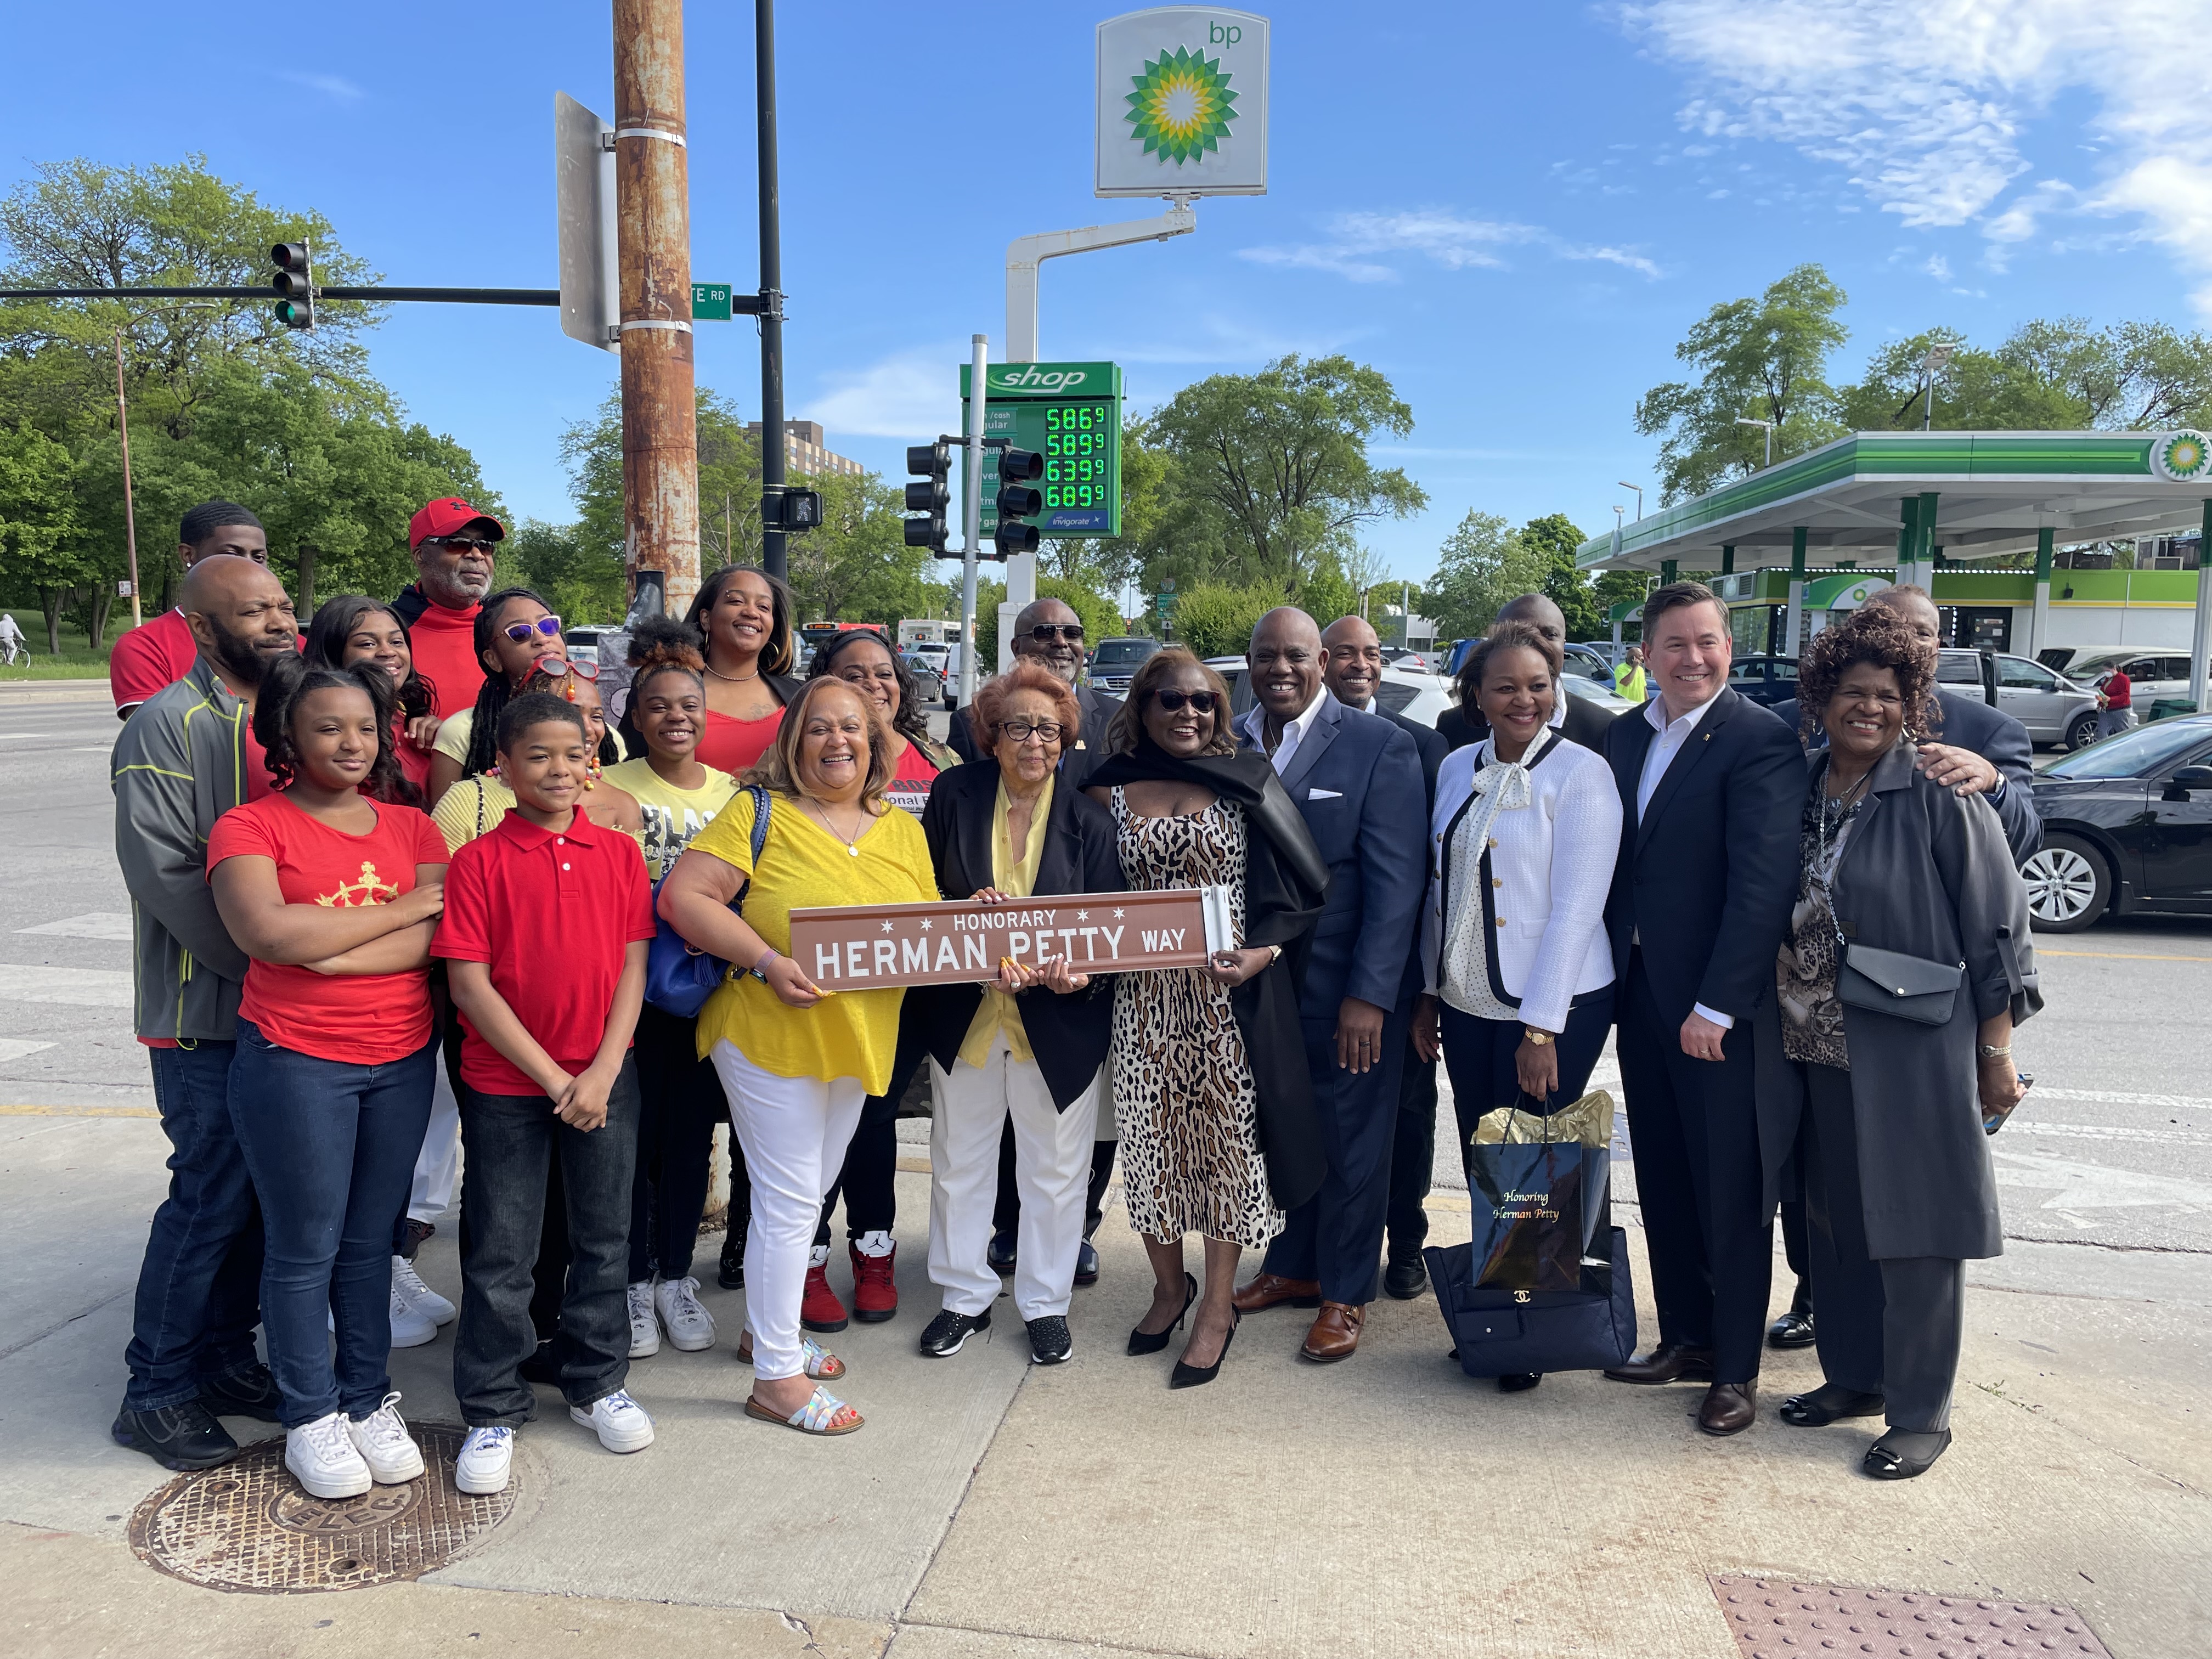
column 1502, row 1332
column 679, row 976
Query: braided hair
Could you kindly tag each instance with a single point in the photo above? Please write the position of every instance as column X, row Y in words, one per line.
column 494, row 693
column 289, row 678
column 333, row 625
column 907, row 720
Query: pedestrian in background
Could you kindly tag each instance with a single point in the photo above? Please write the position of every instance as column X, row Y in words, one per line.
column 1628, row 677
column 162, row 650
column 2116, row 703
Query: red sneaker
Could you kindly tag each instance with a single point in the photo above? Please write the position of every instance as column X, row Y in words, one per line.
column 875, row 1293
column 819, row 1310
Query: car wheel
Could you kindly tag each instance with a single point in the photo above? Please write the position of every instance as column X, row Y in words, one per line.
column 2068, row 887
column 2081, row 729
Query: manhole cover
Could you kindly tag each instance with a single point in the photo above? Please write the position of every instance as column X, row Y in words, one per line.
column 248, row 1526
column 1777, row 1618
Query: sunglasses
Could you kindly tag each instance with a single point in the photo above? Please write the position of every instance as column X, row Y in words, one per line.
column 1171, row 700
column 462, row 544
column 554, row 667
column 1046, row 633
column 521, row 632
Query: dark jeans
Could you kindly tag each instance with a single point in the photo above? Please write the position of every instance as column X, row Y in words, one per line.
column 680, row 1101
column 508, row 1142
column 199, row 1288
column 1479, row 1056
column 332, row 1147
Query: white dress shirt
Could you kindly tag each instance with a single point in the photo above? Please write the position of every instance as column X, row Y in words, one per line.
column 1672, row 734
column 1294, row 731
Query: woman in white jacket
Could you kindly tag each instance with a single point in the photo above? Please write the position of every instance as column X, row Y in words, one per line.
column 1519, row 992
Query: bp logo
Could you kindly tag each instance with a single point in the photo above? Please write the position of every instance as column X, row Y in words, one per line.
column 2184, row 457
column 1182, row 106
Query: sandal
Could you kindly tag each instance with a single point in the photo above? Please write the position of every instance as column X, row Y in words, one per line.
column 823, row 1414
column 819, row 1363
column 1904, row 1453
column 1827, row 1404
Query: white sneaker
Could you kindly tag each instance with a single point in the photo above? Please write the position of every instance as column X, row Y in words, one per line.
column 644, row 1329
column 618, row 1420
column 690, row 1327
column 485, row 1458
column 419, row 1296
column 385, row 1445
column 321, row 1456
column 410, row 1326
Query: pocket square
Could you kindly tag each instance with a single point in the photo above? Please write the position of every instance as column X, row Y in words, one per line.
column 1324, row 794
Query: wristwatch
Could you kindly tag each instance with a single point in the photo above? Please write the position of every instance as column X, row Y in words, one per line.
column 1537, row 1039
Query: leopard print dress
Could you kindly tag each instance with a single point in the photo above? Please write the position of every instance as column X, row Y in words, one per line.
column 1190, row 1149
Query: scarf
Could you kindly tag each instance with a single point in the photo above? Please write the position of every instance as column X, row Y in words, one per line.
column 1246, row 777
column 1499, row 787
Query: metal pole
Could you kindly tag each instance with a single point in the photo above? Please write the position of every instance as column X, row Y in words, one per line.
column 659, row 411
column 1795, row 637
column 2201, row 639
column 2039, row 626
column 773, row 558
column 130, row 513
column 971, row 513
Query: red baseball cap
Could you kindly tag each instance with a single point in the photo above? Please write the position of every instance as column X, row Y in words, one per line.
column 448, row 515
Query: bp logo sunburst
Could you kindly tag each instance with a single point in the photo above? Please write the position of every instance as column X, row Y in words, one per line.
column 1182, row 106
column 2184, row 457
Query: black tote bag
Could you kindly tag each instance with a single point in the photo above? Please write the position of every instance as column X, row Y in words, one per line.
column 1501, row 1332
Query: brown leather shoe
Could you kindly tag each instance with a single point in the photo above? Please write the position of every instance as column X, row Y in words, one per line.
column 1730, row 1407
column 1273, row 1291
column 1335, row 1334
column 1670, row 1362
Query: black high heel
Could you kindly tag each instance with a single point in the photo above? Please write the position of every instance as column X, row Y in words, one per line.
column 1142, row 1342
column 1191, row 1377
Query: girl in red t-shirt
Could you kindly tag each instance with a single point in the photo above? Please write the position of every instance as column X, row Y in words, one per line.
column 332, row 889
column 354, row 628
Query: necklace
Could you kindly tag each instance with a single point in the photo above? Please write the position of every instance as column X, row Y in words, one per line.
column 821, row 815
column 734, row 679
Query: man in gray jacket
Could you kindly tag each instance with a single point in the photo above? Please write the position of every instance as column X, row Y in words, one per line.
column 186, row 756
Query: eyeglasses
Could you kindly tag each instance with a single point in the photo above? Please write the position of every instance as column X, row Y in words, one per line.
column 1022, row 731
column 554, row 667
column 462, row 544
column 1046, row 633
column 521, row 632
column 1172, row 700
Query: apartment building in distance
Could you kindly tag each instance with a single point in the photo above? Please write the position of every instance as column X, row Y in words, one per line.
column 803, row 450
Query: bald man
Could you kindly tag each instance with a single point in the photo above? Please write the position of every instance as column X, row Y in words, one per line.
column 186, row 756
column 1576, row 719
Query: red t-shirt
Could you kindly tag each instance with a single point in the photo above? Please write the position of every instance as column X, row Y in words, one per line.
column 414, row 764
column 911, row 780
column 444, row 645
column 552, row 915
column 150, row 657
column 730, row 746
column 368, row 1019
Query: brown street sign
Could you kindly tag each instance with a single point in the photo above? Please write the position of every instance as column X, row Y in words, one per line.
column 867, row 946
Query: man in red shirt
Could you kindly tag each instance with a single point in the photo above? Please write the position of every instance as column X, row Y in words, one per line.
column 158, row 653
column 452, row 544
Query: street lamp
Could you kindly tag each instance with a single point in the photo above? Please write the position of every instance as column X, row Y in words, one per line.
column 1746, row 420
column 1639, row 488
column 1931, row 365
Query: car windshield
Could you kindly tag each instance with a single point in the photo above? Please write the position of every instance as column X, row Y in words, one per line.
column 2132, row 754
column 1121, row 653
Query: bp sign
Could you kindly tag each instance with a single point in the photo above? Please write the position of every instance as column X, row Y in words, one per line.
column 1182, row 103
column 2184, row 457
column 1070, row 414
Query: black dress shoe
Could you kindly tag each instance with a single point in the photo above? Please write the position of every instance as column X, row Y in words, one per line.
column 250, row 1393
column 1145, row 1342
column 1186, row 1375
column 1001, row 1253
column 1729, row 1408
column 1670, row 1362
column 1904, row 1453
column 1519, row 1381
column 1827, row 1404
column 176, row 1437
column 1086, row 1264
column 1793, row 1330
column 946, row 1333
column 730, row 1273
column 1406, row 1279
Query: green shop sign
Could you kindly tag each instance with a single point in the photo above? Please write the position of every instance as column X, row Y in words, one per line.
column 1070, row 414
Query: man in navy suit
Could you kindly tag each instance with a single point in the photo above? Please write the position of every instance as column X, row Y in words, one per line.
column 1356, row 781
column 1712, row 788
column 1353, row 673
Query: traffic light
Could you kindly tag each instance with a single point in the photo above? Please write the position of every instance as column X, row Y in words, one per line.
column 1018, row 502
column 295, row 282
column 791, row 509
column 931, row 496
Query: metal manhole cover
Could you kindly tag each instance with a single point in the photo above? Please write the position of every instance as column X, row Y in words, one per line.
column 248, row 1527
column 1779, row 1619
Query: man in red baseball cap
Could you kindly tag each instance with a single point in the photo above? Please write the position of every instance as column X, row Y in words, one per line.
column 452, row 544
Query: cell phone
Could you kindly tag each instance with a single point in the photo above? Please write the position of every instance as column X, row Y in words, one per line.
column 1993, row 1121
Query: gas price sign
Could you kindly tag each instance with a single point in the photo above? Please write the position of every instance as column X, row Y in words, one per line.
column 1070, row 414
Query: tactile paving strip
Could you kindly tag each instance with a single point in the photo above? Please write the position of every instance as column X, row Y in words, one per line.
column 248, row 1527
column 1779, row 1619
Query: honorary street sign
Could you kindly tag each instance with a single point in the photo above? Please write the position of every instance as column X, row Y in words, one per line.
column 868, row 946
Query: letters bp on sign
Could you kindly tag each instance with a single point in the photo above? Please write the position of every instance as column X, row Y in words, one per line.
column 1070, row 414
column 1182, row 103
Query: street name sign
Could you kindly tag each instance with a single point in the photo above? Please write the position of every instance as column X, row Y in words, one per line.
column 710, row 303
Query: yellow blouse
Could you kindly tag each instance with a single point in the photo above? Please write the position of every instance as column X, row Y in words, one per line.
column 1016, row 878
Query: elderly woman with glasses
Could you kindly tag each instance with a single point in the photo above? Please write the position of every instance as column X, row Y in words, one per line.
column 1026, row 1047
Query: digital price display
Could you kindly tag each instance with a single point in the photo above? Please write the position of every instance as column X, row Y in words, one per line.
column 1070, row 414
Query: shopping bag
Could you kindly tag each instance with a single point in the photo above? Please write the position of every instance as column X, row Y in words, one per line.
column 1527, row 1200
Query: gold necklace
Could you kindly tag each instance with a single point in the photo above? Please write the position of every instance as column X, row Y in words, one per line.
column 734, row 679
column 821, row 815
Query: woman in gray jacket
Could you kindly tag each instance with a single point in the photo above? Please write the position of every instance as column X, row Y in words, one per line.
column 1906, row 964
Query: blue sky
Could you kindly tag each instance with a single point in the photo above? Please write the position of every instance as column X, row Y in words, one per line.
column 1513, row 210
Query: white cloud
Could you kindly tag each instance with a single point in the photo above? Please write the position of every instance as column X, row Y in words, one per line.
column 1359, row 242
column 331, row 85
column 913, row 395
column 1938, row 267
column 1926, row 102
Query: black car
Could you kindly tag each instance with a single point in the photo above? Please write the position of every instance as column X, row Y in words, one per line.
column 2127, row 827
column 1764, row 680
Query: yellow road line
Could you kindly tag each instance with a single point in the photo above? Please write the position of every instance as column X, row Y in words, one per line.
column 78, row 1111
column 2118, row 956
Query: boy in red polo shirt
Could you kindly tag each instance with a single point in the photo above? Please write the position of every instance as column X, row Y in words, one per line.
column 546, row 923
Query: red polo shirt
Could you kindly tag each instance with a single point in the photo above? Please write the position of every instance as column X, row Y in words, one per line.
column 552, row 915
column 443, row 643
column 150, row 657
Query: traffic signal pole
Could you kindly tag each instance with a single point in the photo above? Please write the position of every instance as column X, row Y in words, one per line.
column 652, row 239
column 971, row 514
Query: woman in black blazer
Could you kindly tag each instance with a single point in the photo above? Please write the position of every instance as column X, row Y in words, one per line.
column 1027, row 1047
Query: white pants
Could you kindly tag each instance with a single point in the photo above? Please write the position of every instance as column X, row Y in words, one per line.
column 1052, row 1172
column 794, row 1131
column 439, row 1163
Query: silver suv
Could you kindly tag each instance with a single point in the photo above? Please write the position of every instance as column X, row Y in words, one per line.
column 2054, row 708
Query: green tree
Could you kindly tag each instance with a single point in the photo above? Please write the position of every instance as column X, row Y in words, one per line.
column 1215, row 620
column 2062, row 375
column 1482, row 564
column 38, row 521
column 1555, row 537
column 1764, row 357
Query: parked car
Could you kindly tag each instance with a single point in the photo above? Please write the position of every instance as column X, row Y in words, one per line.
column 2052, row 707
column 928, row 674
column 1580, row 659
column 1115, row 662
column 2127, row 827
column 1764, row 680
column 2151, row 674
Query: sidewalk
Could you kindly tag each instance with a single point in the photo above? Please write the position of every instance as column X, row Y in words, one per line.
column 1385, row 1506
column 16, row 694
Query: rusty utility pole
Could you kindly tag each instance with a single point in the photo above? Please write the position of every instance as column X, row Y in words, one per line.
column 661, row 431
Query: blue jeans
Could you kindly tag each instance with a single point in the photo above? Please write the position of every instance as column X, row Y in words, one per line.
column 199, row 1289
column 332, row 1145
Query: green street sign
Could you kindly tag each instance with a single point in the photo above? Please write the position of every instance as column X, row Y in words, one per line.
column 710, row 303
column 1070, row 414
column 1165, row 604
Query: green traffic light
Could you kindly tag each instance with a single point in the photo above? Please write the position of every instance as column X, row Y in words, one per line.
column 295, row 314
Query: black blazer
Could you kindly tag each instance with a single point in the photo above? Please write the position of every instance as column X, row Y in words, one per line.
column 1069, row 1035
column 1586, row 724
column 1075, row 760
column 1707, row 878
column 1998, row 739
column 1431, row 744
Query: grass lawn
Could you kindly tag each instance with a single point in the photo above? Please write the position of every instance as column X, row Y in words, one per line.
column 78, row 660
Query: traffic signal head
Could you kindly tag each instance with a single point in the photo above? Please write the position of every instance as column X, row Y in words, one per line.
column 1017, row 502
column 802, row 509
column 932, row 495
column 1018, row 464
column 295, row 282
column 1012, row 537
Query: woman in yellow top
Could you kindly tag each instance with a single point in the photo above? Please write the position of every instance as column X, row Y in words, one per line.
column 797, row 1061
column 1000, row 829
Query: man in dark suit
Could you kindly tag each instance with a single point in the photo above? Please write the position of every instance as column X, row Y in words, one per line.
column 1577, row 719
column 1353, row 672
column 1712, row 788
column 1355, row 778
column 1049, row 633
